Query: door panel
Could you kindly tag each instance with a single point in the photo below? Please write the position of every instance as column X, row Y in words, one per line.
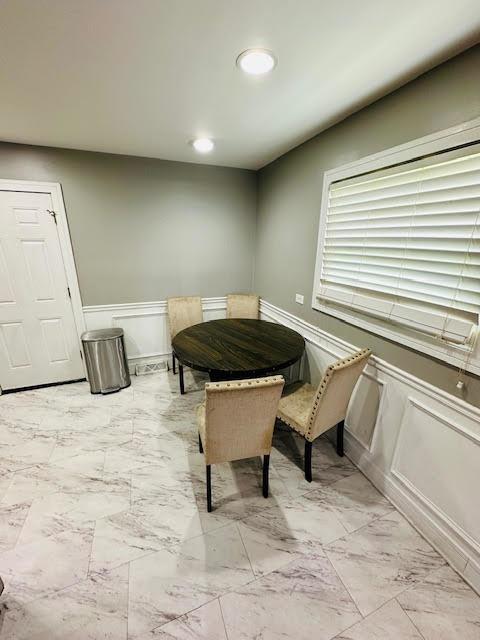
column 36, row 259
column 15, row 345
column 6, row 290
column 38, row 337
column 54, row 336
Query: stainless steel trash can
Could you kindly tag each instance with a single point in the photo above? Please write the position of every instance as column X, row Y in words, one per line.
column 106, row 360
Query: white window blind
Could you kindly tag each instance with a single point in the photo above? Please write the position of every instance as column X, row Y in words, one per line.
column 403, row 244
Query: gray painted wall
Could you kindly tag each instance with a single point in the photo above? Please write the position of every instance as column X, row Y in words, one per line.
column 289, row 195
column 145, row 229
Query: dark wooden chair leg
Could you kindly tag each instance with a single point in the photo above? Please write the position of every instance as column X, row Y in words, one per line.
column 308, row 461
column 182, row 382
column 200, row 445
column 174, row 369
column 209, row 488
column 340, row 429
column 266, row 464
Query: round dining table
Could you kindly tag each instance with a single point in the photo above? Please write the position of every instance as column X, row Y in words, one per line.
column 233, row 349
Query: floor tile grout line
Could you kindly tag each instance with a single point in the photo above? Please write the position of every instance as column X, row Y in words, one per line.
column 223, row 618
column 408, row 615
column 245, row 549
column 344, row 586
column 410, row 587
column 184, row 614
column 227, row 591
column 323, row 486
column 375, row 519
column 371, row 613
column 21, row 528
column 47, row 594
column 128, row 601
column 232, row 590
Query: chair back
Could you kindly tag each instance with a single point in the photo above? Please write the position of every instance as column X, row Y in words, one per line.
column 331, row 400
column 240, row 417
column 183, row 312
column 242, row 306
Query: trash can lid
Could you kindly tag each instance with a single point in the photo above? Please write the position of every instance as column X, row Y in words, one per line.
column 102, row 334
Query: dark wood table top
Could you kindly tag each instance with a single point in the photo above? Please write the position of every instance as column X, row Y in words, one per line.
column 235, row 348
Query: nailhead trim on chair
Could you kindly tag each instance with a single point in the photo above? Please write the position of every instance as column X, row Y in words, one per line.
column 340, row 364
column 264, row 382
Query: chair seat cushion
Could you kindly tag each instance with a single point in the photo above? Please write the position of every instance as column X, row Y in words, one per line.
column 295, row 406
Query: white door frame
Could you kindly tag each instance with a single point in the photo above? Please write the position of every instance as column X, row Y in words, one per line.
column 54, row 189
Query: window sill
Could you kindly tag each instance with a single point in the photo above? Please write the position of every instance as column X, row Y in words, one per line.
column 456, row 355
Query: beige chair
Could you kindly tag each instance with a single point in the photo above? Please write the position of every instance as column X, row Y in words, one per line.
column 311, row 411
column 236, row 421
column 242, row 306
column 183, row 312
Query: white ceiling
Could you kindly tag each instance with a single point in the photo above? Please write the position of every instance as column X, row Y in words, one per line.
column 142, row 77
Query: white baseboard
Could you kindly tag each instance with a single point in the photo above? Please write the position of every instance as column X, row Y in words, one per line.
column 419, row 445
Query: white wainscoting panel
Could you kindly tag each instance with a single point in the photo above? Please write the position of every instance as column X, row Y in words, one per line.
column 145, row 324
column 418, row 444
column 437, row 460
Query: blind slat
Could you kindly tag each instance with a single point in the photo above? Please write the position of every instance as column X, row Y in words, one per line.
column 457, row 195
column 422, row 267
column 393, row 273
column 425, row 255
column 467, row 301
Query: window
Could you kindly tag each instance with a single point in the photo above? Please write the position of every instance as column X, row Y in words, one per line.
column 399, row 245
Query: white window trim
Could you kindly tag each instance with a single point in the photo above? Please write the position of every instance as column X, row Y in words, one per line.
column 456, row 355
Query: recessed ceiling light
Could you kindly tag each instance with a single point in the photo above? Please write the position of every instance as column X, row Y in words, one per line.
column 256, row 61
column 203, row 145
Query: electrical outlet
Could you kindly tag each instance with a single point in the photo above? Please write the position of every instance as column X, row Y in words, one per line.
column 299, row 298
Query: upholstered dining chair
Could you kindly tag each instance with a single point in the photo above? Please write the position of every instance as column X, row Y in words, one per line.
column 236, row 421
column 242, row 306
column 183, row 312
column 311, row 411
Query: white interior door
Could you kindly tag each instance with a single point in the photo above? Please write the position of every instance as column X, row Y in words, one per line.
column 38, row 337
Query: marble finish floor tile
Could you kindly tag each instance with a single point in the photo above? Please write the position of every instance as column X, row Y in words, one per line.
column 303, row 600
column 27, row 446
column 353, row 500
column 72, row 443
column 89, row 464
column 443, row 607
column 105, row 535
column 31, row 483
column 12, row 518
column 42, row 480
column 123, row 537
column 204, row 623
column 5, row 481
column 92, row 609
column 389, row 622
column 287, row 458
column 278, row 535
column 169, row 583
column 379, row 561
column 60, row 511
column 143, row 449
column 33, row 570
